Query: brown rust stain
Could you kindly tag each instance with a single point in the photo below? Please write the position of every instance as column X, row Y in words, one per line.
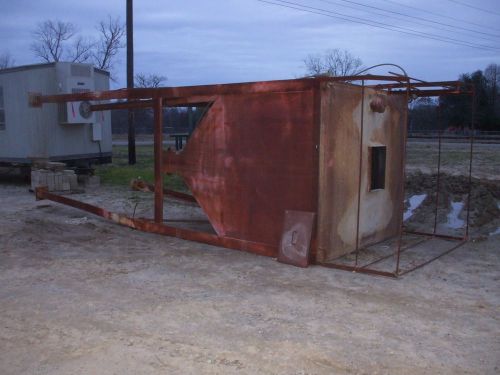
column 339, row 170
column 250, row 159
column 338, row 165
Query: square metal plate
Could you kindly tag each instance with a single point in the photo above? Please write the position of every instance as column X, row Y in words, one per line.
column 295, row 242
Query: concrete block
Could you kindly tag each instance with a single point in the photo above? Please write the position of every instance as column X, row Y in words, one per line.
column 73, row 181
column 44, row 177
column 50, row 180
column 38, row 178
column 58, row 181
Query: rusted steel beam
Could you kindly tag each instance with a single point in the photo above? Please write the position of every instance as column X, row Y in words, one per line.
column 160, row 228
column 360, row 169
column 183, row 93
column 179, row 195
column 147, row 103
column 427, row 93
column 198, row 100
column 42, row 192
column 365, row 77
column 401, row 250
column 122, row 105
column 430, row 137
column 404, row 141
column 437, row 235
column 369, row 271
column 404, row 272
column 158, row 155
column 421, row 84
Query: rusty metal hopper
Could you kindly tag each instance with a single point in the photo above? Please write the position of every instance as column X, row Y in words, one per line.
column 333, row 147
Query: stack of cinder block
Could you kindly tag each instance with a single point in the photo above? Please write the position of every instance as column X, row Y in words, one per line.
column 54, row 176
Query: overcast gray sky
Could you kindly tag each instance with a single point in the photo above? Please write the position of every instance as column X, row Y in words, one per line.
column 199, row 42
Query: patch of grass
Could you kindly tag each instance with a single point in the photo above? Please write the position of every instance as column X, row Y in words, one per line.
column 120, row 172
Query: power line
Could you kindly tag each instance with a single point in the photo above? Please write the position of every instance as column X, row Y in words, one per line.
column 392, row 27
column 414, row 17
column 474, row 7
column 380, row 25
column 440, row 15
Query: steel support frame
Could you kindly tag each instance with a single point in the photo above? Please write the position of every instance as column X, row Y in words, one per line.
column 159, row 228
column 460, row 240
column 159, row 97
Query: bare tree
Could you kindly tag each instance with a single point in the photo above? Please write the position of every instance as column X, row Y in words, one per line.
column 334, row 62
column 314, row 65
column 50, row 39
column 57, row 40
column 81, row 50
column 149, row 80
column 6, row 60
column 110, row 42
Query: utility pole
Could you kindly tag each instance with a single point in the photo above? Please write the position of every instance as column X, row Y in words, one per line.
column 130, row 80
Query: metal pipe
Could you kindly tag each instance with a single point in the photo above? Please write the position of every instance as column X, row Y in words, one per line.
column 403, row 177
column 360, row 174
column 357, row 269
column 431, row 260
column 158, row 155
column 392, row 254
column 438, row 170
column 437, row 235
column 130, row 79
column 473, row 113
column 170, row 93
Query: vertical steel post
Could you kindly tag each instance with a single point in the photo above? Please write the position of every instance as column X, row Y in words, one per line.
column 158, row 156
column 438, row 170
column 471, row 150
column 403, row 177
column 360, row 175
column 130, row 80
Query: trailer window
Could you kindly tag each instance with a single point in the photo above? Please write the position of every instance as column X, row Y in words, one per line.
column 2, row 110
column 378, row 167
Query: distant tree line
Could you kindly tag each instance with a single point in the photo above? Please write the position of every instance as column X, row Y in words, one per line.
column 454, row 112
column 175, row 120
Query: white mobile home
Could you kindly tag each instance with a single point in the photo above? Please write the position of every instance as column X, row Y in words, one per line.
column 66, row 132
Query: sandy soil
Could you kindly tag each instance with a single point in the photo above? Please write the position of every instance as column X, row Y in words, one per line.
column 80, row 295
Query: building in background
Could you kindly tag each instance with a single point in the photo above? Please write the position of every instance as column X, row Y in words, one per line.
column 67, row 132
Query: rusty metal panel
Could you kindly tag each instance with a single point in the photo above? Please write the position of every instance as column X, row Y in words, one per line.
column 342, row 112
column 296, row 238
column 251, row 158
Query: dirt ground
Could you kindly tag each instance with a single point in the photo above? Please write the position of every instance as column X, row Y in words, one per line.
column 80, row 295
column 422, row 155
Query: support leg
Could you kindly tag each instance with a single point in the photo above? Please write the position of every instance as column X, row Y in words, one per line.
column 158, row 148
